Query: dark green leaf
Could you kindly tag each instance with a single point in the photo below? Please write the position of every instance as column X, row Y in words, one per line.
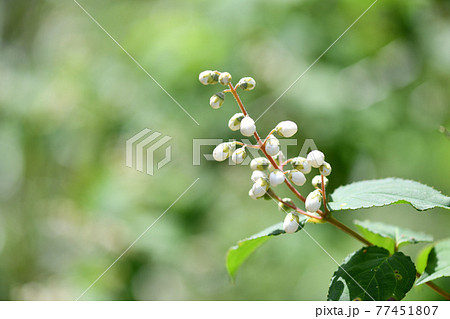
column 422, row 258
column 372, row 274
column 388, row 236
column 244, row 248
column 438, row 262
column 387, row 191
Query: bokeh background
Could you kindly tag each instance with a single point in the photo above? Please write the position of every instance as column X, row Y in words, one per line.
column 377, row 104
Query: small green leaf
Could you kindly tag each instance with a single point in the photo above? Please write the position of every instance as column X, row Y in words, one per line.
column 382, row 192
column 371, row 274
column 388, row 236
column 244, row 248
column 438, row 262
column 422, row 257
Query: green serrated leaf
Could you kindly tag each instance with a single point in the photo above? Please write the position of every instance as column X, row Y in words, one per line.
column 438, row 263
column 382, row 192
column 238, row 254
column 372, row 274
column 389, row 236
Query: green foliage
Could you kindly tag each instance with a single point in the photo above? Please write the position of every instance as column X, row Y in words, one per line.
column 438, row 262
column 422, row 258
column 388, row 236
column 383, row 192
column 372, row 274
column 245, row 247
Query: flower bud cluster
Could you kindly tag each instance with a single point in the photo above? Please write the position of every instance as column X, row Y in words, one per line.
column 269, row 171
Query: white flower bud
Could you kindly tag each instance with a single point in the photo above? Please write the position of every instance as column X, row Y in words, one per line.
column 223, row 151
column 239, row 155
column 272, row 146
column 315, row 158
column 208, row 77
column 257, row 174
column 313, row 201
column 276, row 177
column 286, row 128
column 317, row 181
column 284, row 208
column 224, row 78
column 325, row 169
column 250, row 193
column 291, row 223
column 248, row 126
column 301, row 164
column 235, row 122
column 260, row 187
column 217, row 100
column 259, row 163
column 247, row 83
column 297, row 177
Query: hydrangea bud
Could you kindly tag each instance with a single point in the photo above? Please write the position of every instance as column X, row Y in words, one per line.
column 208, row 77
column 223, row 151
column 257, row 174
column 247, row 84
column 272, row 146
column 224, row 78
column 284, row 208
column 260, row 187
column 276, row 177
column 313, row 201
column 317, row 181
column 315, row 158
column 297, row 177
column 239, row 155
column 301, row 164
column 250, row 193
column 291, row 223
column 235, row 122
column 217, row 100
column 259, row 163
column 286, row 128
column 248, row 126
column 325, row 169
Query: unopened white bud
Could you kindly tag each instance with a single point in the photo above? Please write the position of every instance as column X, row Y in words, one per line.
column 259, row 163
column 223, row 151
column 260, row 187
column 291, row 223
column 248, row 126
column 276, row 177
column 224, row 78
column 239, row 155
column 297, row 177
column 208, row 77
column 286, row 128
column 247, row 83
column 250, row 193
column 325, row 169
column 315, row 158
column 235, row 122
column 257, row 174
column 217, row 100
column 272, row 146
column 301, row 164
column 313, row 201
column 285, row 208
column 317, row 181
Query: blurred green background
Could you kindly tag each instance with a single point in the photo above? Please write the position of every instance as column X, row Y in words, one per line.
column 70, row 98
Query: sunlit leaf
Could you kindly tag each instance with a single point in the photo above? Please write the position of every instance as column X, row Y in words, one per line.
column 387, row 191
column 438, row 262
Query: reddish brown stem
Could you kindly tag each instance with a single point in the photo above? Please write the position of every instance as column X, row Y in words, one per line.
column 275, row 196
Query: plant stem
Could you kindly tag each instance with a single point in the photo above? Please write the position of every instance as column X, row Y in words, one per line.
column 347, row 230
column 437, row 289
column 275, row 196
